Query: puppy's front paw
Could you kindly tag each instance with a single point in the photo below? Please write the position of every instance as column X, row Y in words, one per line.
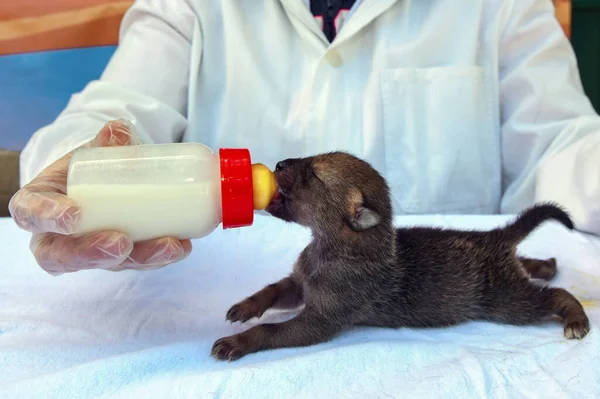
column 244, row 311
column 577, row 329
column 229, row 348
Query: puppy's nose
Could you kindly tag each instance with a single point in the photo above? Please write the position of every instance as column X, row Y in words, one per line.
column 281, row 165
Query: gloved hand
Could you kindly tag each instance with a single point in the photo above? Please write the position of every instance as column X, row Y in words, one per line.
column 42, row 208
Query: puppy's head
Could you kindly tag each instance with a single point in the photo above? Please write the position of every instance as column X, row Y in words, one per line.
column 331, row 193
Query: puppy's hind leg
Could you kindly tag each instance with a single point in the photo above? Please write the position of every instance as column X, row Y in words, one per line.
column 285, row 294
column 571, row 311
column 538, row 268
column 528, row 304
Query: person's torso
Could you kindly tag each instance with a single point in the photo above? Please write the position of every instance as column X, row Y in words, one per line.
column 409, row 85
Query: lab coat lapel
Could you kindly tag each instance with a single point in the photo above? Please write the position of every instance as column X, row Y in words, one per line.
column 367, row 11
column 297, row 10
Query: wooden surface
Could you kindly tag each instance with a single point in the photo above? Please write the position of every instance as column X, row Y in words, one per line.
column 41, row 25
column 563, row 14
column 9, row 178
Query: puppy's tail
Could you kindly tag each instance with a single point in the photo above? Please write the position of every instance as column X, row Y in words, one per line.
column 531, row 218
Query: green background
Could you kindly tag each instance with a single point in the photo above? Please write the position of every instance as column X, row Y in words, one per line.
column 585, row 37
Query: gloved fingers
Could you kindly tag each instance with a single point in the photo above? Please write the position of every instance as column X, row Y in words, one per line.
column 42, row 206
column 58, row 254
column 53, row 179
column 116, row 133
column 44, row 212
column 154, row 254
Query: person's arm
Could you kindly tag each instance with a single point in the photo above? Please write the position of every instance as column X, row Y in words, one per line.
column 146, row 82
column 550, row 131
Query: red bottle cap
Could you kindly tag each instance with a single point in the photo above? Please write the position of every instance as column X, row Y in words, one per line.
column 236, row 188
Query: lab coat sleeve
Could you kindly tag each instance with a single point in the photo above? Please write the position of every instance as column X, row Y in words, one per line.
column 145, row 81
column 550, row 131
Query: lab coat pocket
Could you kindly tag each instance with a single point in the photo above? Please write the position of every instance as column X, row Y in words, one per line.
column 441, row 146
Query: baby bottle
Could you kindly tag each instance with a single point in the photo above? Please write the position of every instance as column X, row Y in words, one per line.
column 182, row 190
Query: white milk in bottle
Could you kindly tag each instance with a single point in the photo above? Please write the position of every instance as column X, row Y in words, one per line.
column 182, row 190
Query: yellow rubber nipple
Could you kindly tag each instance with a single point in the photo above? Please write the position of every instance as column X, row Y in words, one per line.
column 264, row 186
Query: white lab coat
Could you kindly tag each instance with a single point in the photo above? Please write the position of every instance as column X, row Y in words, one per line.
column 470, row 108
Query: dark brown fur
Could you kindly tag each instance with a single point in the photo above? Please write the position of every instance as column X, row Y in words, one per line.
column 360, row 270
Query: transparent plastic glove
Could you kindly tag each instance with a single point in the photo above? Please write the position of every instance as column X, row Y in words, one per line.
column 42, row 208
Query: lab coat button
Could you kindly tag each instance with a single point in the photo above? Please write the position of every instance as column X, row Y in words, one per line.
column 334, row 59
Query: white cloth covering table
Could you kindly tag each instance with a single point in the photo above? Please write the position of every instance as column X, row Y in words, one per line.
column 149, row 334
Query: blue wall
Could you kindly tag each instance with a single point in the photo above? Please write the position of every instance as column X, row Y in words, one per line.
column 35, row 87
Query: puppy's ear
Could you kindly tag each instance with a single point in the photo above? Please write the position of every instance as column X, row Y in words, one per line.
column 360, row 217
